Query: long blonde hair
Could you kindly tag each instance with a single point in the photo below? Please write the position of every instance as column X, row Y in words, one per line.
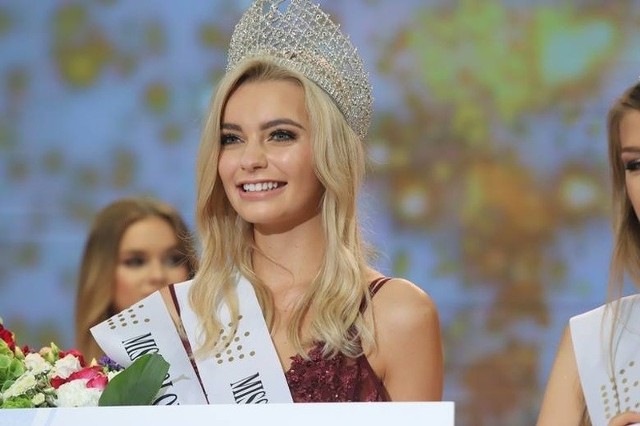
column 96, row 280
column 336, row 294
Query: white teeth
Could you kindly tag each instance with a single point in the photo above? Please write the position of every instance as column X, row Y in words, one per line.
column 260, row 186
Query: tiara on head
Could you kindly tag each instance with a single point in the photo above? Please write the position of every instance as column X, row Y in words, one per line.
column 302, row 37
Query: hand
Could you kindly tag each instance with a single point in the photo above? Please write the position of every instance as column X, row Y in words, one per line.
column 625, row 419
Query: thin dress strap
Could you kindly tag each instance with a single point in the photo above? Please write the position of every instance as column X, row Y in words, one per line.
column 377, row 285
column 374, row 286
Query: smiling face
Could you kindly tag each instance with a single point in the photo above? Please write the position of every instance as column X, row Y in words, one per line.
column 148, row 259
column 266, row 158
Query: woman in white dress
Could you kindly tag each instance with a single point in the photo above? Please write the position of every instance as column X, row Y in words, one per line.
column 595, row 379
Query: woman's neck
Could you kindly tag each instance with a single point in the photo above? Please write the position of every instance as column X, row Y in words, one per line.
column 291, row 258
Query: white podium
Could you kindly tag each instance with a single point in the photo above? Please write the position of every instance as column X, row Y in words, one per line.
column 318, row 414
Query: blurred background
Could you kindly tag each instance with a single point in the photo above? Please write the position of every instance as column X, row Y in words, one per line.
column 488, row 182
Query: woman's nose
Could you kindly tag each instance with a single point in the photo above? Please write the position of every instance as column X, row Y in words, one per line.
column 253, row 156
column 158, row 273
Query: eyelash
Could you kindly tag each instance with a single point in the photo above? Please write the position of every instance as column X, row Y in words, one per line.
column 282, row 135
column 277, row 135
column 632, row 166
column 134, row 261
column 229, row 139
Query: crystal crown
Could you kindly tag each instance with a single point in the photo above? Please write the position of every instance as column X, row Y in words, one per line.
column 302, row 37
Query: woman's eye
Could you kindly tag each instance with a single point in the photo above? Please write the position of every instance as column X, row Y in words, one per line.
column 175, row 260
column 632, row 166
column 133, row 262
column 283, row 135
column 229, row 139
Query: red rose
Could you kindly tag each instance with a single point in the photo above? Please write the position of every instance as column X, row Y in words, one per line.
column 94, row 375
column 98, row 382
column 86, row 373
column 8, row 337
column 57, row 381
column 76, row 353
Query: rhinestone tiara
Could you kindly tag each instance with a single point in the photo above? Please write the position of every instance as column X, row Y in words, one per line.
column 304, row 38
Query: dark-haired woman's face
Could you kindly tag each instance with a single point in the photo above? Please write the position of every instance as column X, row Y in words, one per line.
column 148, row 259
column 630, row 155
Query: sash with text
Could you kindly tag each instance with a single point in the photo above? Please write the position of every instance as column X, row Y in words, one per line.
column 146, row 327
column 245, row 370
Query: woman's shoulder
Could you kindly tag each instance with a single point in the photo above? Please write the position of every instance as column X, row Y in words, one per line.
column 401, row 304
column 620, row 307
column 408, row 355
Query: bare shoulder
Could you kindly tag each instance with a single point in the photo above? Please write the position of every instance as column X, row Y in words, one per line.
column 402, row 304
column 408, row 356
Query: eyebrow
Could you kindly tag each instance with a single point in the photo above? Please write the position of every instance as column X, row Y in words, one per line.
column 267, row 125
column 136, row 250
column 633, row 149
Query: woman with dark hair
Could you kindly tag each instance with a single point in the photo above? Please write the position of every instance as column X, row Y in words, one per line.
column 135, row 246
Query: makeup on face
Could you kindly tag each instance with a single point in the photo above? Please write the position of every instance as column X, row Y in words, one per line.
column 266, row 158
column 148, row 259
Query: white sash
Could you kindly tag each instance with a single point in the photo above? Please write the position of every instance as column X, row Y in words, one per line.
column 247, row 370
column 147, row 327
column 609, row 368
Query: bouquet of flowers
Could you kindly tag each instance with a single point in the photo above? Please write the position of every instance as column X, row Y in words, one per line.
column 51, row 377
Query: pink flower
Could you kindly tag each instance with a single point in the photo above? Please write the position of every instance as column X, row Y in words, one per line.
column 94, row 376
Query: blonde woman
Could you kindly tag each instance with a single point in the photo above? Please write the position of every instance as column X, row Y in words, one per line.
column 594, row 379
column 135, row 246
column 280, row 166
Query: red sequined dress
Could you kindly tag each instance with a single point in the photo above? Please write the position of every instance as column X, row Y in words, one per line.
column 336, row 379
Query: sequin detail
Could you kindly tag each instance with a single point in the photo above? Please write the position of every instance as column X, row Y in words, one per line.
column 336, row 379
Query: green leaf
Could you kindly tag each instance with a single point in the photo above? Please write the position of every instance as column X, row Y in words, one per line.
column 4, row 348
column 17, row 368
column 137, row 384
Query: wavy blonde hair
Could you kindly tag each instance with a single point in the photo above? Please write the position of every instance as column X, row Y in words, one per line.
column 333, row 301
column 96, row 281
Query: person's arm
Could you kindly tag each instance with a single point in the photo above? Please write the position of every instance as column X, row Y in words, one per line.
column 409, row 347
column 625, row 419
column 563, row 403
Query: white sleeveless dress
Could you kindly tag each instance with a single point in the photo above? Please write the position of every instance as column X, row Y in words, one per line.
column 608, row 358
